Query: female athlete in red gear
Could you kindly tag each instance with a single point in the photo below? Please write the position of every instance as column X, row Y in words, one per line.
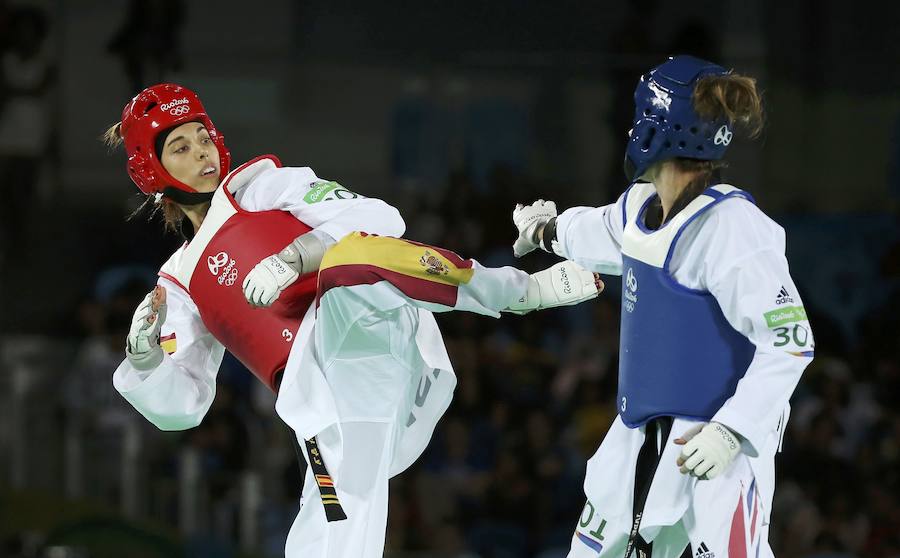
column 308, row 284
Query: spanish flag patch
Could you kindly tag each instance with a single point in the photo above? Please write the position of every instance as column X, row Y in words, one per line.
column 168, row 343
column 324, row 480
column 327, row 491
column 420, row 271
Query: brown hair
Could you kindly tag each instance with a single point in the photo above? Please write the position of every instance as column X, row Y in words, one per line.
column 112, row 137
column 733, row 97
column 171, row 213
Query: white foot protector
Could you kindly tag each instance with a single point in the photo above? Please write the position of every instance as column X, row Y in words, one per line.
column 564, row 284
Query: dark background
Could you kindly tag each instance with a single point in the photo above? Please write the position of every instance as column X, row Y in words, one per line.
column 453, row 112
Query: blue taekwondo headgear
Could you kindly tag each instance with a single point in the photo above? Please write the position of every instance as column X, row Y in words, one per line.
column 665, row 123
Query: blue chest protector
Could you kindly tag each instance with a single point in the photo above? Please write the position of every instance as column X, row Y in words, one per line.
column 678, row 356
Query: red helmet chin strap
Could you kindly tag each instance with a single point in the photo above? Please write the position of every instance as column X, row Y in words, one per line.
column 156, row 110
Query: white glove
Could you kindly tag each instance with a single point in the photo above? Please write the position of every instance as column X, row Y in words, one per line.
column 264, row 283
column 528, row 219
column 708, row 450
column 564, row 284
column 142, row 345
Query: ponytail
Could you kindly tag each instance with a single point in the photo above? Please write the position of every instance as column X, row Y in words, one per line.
column 112, row 137
column 733, row 97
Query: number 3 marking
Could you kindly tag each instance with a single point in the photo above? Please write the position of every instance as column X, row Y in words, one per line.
column 799, row 334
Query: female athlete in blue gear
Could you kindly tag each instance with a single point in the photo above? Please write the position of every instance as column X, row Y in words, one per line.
column 714, row 336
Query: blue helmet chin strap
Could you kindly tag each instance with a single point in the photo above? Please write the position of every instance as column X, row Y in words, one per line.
column 665, row 123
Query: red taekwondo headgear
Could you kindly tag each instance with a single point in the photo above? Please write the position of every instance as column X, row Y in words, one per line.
column 156, row 110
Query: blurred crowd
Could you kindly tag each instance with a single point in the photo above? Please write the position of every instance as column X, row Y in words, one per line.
column 27, row 78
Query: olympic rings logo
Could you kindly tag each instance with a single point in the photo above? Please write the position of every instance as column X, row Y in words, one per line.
column 229, row 276
column 180, row 110
column 229, row 273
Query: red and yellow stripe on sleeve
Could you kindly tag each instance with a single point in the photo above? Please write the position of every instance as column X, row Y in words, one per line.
column 168, row 343
column 419, row 271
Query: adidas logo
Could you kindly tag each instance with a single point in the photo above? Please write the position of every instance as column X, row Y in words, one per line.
column 703, row 550
column 783, row 297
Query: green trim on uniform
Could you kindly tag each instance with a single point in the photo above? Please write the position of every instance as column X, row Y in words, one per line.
column 785, row 315
column 319, row 190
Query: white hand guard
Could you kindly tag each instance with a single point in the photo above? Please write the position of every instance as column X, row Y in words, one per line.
column 142, row 345
column 708, row 450
column 564, row 284
column 264, row 283
column 528, row 219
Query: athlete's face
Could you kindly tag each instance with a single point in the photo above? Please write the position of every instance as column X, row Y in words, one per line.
column 191, row 157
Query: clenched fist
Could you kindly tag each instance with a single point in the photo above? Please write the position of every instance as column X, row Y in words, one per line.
column 142, row 345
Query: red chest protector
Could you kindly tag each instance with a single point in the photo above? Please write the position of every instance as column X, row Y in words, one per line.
column 229, row 243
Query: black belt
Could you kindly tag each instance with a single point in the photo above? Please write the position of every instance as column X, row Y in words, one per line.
column 333, row 509
column 645, row 469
